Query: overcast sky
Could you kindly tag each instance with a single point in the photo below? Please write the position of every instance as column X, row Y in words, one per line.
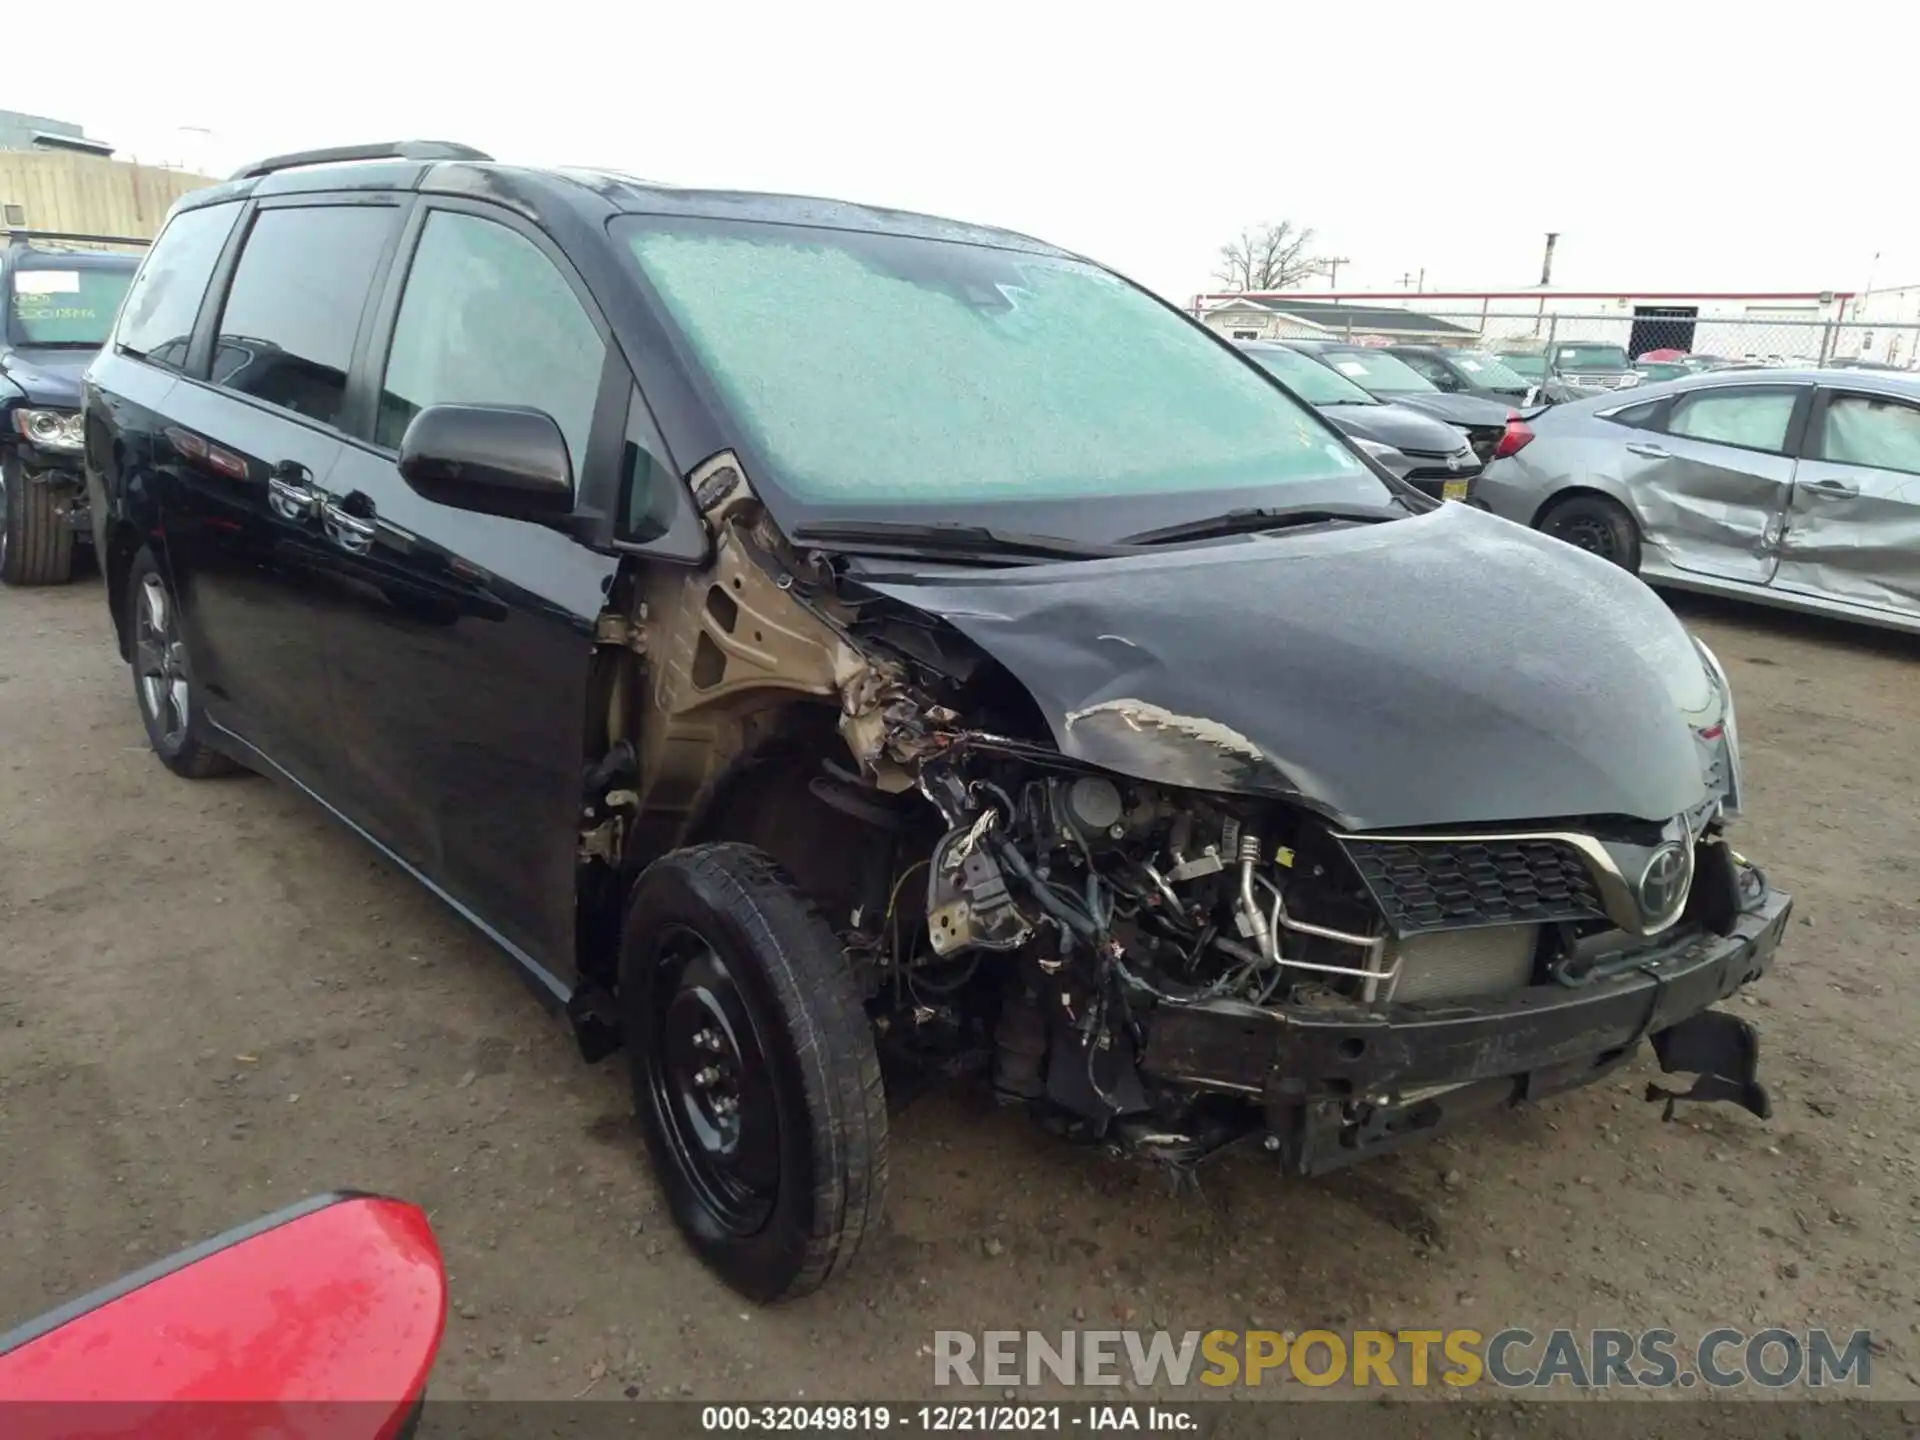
column 1691, row 145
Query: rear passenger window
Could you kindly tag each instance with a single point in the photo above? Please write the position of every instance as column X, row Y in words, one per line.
column 156, row 318
column 286, row 335
column 1751, row 419
column 1637, row 417
column 487, row 319
column 1870, row 430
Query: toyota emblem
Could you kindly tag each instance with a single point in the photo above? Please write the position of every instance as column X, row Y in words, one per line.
column 1665, row 881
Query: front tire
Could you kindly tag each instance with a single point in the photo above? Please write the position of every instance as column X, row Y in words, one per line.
column 753, row 1070
column 1597, row 525
column 36, row 543
column 163, row 676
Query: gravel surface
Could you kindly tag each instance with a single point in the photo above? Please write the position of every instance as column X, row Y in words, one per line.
column 214, row 1000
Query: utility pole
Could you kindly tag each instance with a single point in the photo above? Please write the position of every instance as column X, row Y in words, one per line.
column 1546, row 260
column 1333, row 264
column 1867, row 294
column 1406, row 280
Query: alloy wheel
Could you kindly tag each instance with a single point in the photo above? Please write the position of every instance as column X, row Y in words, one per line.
column 160, row 661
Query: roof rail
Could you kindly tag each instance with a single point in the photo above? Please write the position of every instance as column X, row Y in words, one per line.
column 380, row 150
column 16, row 236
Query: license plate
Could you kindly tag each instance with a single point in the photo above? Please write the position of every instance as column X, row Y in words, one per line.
column 1454, row 490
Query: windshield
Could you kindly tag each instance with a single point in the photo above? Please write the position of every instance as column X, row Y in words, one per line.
column 1378, row 372
column 1531, row 367
column 1307, row 377
column 1590, row 357
column 888, row 376
column 51, row 306
column 1490, row 372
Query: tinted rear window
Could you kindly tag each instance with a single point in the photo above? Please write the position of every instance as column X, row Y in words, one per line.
column 287, row 332
column 157, row 319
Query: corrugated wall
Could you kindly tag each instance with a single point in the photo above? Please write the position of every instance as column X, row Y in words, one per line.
column 84, row 194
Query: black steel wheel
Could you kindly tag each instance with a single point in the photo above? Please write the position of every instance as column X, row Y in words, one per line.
column 1597, row 525
column 710, row 1083
column 163, row 675
column 753, row 1070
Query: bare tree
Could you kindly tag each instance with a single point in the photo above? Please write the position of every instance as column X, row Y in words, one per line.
column 1267, row 257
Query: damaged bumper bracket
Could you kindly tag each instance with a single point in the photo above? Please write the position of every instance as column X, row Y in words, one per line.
column 1344, row 1082
column 1722, row 1052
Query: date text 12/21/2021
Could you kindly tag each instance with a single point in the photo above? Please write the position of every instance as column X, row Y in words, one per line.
column 962, row 1419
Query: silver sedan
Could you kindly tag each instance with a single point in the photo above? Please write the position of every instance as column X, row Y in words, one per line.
column 1797, row 488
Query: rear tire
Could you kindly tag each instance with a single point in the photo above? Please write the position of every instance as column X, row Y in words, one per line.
column 163, row 685
column 36, row 546
column 1597, row 525
column 753, row 1070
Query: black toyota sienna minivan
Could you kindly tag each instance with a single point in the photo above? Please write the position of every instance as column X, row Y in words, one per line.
column 820, row 642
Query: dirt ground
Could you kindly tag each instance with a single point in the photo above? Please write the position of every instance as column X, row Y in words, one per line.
column 215, row 1001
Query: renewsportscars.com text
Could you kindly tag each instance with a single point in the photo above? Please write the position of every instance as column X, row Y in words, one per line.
column 1720, row 1359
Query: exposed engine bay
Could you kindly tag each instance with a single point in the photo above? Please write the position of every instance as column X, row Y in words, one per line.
column 1163, row 965
column 1098, row 900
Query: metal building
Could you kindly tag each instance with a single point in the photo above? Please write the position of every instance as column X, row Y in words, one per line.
column 54, row 178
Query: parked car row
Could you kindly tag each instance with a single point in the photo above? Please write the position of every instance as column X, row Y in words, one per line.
column 1107, row 722
column 1386, row 376
column 1421, row 449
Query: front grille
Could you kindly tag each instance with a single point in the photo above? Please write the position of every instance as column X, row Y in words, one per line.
column 1434, row 463
column 1464, row 884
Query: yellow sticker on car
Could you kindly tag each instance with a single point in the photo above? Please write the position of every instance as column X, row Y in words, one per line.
column 1454, row 490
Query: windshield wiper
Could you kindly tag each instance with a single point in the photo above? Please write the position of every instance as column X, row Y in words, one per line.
column 950, row 537
column 1241, row 522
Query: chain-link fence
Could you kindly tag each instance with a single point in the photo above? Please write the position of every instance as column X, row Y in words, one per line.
column 1745, row 340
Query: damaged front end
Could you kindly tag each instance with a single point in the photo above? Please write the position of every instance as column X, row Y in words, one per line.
column 1181, row 971
column 1292, row 918
column 1164, row 935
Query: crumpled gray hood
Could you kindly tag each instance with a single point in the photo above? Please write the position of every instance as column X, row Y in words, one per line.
column 1450, row 668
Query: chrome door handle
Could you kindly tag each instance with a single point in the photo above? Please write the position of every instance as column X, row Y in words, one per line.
column 288, row 492
column 1651, row 452
column 1839, row 489
column 349, row 532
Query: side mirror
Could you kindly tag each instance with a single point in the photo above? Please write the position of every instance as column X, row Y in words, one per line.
column 492, row 459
